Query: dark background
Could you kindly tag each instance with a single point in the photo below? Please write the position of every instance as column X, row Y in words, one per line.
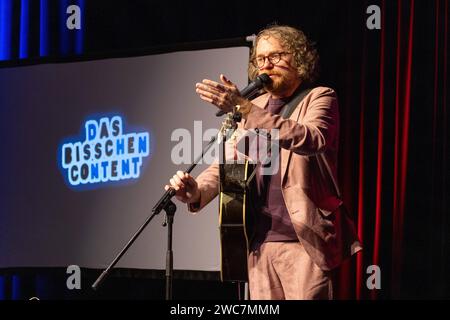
column 393, row 91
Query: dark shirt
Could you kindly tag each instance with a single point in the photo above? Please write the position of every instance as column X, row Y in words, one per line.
column 272, row 221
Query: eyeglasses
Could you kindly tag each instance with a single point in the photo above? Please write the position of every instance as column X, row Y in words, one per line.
column 274, row 58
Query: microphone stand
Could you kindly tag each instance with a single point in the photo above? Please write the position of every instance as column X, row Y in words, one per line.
column 169, row 207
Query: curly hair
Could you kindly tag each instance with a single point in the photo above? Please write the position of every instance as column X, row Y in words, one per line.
column 306, row 58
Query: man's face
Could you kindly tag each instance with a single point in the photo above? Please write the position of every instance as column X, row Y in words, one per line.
column 284, row 76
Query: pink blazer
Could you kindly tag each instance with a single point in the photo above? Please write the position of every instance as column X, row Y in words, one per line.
column 323, row 228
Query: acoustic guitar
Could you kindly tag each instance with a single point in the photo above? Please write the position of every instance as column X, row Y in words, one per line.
column 235, row 216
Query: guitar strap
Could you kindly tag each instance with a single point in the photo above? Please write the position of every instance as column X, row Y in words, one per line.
column 289, row 107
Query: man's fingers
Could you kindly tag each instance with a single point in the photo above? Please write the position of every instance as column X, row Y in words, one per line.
column 181, row 182
column 212, row 94
column 213, row 89
column 207, row 99
column 178, row 181
column 185, row 177
column 189, row 181
column 215, row 100
column 225, row 80
column 214, row 84
column 180, row 175
column 174, row 184
column 207, row 93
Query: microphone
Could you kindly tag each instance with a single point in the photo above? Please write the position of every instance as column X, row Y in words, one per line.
column 252, row 88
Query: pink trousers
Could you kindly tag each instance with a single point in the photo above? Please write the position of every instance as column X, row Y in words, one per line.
column 283, row 270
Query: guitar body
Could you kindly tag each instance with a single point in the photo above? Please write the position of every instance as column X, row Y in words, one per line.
column 235, row 220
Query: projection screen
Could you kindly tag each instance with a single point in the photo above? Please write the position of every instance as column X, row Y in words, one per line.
column 62, row 206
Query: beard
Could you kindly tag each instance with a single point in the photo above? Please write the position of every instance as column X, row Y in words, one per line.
column 280, row 84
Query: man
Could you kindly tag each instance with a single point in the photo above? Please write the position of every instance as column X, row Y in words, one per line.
column 301, row 233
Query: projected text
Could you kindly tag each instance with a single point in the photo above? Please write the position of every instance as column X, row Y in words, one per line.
column 106, row 154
